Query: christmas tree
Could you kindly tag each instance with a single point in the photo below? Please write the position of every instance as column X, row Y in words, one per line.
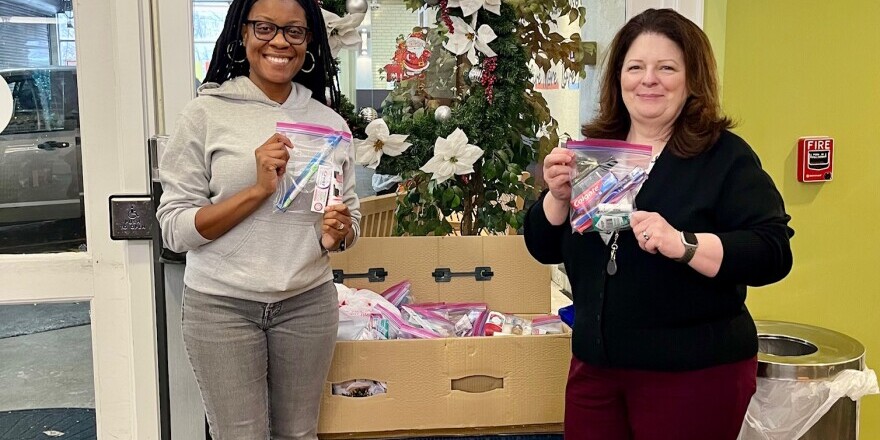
column 464, row 119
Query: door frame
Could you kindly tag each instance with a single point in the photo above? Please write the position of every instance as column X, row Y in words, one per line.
column 114, row 65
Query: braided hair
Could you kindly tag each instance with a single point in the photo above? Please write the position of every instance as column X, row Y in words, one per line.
column 229, row 60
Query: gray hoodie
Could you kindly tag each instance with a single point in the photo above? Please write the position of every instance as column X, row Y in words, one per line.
column 270, row 256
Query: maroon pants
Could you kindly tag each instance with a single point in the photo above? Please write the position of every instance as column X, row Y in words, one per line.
column 616, row 404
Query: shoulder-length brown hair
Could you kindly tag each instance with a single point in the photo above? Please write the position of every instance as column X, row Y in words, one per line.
column 700, row 123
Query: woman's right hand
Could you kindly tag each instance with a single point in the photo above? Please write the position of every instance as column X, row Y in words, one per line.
column 558, row 166
column 272, row 159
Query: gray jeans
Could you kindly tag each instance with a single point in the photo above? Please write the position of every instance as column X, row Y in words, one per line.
column 260, row 366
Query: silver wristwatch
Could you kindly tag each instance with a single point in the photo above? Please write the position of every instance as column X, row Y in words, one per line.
column 690, row 242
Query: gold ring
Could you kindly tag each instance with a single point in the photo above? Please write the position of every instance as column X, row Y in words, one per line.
column 341, row 226
column 645, row 235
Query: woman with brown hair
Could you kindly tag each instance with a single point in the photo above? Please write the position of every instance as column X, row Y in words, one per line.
column 664, row 347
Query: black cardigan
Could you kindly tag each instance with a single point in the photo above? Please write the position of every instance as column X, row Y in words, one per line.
column 656, row 314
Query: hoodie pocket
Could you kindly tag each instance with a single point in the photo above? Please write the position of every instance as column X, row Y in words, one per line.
column 274, row 257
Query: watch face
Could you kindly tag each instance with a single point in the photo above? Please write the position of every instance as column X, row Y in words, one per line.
column 689, row 238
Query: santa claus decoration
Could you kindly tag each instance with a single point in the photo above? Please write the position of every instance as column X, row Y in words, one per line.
column 411, row 58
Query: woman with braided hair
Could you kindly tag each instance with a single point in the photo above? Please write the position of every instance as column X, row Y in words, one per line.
column 259, row 306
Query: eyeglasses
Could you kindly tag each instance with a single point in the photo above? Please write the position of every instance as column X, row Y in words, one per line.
column 266, row 31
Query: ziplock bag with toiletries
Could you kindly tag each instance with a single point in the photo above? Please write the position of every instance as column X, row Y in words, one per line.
column 607, row 176
column 400, row 328
column 313, row 178
column 428, row 319
column 465, row 316
column 399, row 294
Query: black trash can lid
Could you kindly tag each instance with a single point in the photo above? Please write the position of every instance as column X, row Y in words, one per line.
column 792, row 351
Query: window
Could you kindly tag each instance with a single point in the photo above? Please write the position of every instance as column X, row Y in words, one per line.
column 208, row 18
column 42, row 100
column 66, row 40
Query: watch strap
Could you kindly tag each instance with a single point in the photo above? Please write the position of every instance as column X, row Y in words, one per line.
column 690, row 242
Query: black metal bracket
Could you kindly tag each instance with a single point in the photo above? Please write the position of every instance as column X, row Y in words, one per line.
column 445, row 274
column 373, row 275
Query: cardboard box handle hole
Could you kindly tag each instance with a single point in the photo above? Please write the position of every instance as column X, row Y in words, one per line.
column 477, row 384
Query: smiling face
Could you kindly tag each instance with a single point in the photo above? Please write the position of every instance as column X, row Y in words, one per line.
column 653, row 81
column 274, row 63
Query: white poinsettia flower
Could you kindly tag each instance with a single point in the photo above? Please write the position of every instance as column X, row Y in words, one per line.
column 469, row 7
column 379, row 141
column 452, row 155
column 342, row 32
column 466, row 40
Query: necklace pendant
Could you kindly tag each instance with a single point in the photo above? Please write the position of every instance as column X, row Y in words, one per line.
column 611, row 268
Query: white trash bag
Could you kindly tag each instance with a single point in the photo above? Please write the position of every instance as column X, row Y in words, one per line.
column 356, row 306
column 786, row 409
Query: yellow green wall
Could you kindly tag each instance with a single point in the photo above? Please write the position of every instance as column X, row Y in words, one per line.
column 812, row 67
column 715, row 26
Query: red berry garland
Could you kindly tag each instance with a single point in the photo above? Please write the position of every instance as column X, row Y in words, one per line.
column 489, row 77
column 444, row 15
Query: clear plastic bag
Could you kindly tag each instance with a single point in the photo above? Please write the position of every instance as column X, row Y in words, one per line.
column 317, row 151
column 787, row 409
column 464, row 316
column 399, row 294
column 490, row 324
column 515, row 326
column 547, row 325
column 607, row 177
column 480, row 323
column 428, row 319
column 399, row 328
column 384, row 182
column 380, row 328
column 353, row 327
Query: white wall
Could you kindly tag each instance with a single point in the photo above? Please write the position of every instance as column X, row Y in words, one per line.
column 692, row 9
column 604, row 19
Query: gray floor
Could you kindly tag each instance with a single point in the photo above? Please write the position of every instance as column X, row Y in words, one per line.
column 49, row 363
column 26, row 319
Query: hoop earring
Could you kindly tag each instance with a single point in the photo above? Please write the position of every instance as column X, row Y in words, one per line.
column 314, row 63
column 230, row 52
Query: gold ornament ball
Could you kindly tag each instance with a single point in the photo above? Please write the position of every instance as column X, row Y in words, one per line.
column 443, row 113
column 369, row 114
column 356, row 6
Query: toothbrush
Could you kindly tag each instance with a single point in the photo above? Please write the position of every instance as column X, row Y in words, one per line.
column 306, row 174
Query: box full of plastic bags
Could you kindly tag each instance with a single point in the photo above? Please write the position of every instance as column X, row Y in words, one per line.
column 456, row 385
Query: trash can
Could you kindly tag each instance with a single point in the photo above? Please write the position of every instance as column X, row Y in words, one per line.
column 801, row 356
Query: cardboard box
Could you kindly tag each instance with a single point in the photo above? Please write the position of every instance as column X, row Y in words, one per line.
column 453, row 385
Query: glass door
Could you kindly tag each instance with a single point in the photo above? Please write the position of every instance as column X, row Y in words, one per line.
column 76, row 321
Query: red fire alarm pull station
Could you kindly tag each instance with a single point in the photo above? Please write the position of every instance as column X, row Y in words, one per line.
column 815, row 158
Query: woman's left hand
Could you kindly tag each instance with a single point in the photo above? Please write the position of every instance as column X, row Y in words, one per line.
column 655, row 235
column 336, row 226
